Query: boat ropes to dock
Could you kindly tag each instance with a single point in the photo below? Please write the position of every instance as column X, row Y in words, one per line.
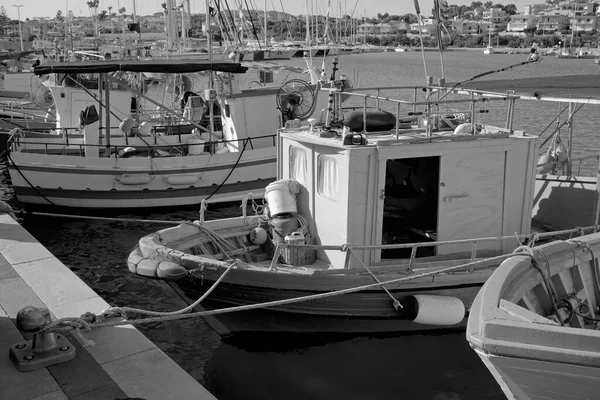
column 151, row 133
column 387, row 216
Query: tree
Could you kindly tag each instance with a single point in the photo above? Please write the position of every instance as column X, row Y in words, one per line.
column 510, row 9
column 4, row 20
column 59, row 17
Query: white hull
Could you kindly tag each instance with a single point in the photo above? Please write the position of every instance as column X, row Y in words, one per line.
column 523, row 379
column 86, row 182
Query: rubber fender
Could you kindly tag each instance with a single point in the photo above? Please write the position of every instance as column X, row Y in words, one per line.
column 134, row 179
column 545, row 164
column 376, row 121
column 181, row 179
column 433, row 309
column 147, row 268
column 171, row 271
column 133, row 260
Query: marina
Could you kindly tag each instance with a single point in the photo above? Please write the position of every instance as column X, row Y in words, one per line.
column 111, row 241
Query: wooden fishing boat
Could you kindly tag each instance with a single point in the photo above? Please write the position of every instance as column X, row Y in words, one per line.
column 535, row 322
column 384, row 230
column 216, row 141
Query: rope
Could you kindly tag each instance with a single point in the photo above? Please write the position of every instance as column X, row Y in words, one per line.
column 230, row 172
column 395, row 301
column 99, row 320
column 152, row 221
column 5, row 208
column 27, row 180
column 87, row 320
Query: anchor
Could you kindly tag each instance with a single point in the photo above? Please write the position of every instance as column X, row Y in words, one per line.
column 41, row 349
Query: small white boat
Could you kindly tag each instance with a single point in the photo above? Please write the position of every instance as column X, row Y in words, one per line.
column 535, row 322
column 370, row 227
column 488, row 50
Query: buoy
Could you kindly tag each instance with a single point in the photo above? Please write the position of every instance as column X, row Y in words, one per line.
column 258, row 235
column 545, row 163
column 171, row 271
column 433, row 309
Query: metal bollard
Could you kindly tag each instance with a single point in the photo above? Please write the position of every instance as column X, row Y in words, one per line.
column 40, row 350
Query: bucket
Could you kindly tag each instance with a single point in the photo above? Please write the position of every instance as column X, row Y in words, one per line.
column 280, row 200
column 283, row 225
column 195, row 147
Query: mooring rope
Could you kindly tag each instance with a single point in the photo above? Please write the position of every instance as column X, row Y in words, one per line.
column 152, row 221
column 90, row 320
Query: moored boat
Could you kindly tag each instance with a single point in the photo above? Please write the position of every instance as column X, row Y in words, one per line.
column 535, row 322
column 370, row 228
column 206, row 142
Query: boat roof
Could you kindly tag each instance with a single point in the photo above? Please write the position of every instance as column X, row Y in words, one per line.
column 158, row 66
column 569, row 88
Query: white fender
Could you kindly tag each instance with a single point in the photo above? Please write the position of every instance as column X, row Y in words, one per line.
column 545, row 163
column 181, row 179
column 438, row 310
column 134, row 179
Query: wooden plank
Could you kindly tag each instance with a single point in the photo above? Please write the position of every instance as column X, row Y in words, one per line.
column 523, row 314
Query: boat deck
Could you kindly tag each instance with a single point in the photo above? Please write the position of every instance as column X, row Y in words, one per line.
column 122, row 363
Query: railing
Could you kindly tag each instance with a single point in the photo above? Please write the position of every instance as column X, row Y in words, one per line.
column 16, row 145
column 436, row 96
column 348, row 248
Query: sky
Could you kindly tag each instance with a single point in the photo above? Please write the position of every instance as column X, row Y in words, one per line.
column 47, row 8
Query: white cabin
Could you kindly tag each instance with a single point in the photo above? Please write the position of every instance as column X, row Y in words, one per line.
column 411, row 188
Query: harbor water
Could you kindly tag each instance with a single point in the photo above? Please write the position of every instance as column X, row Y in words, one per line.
column 438, row 366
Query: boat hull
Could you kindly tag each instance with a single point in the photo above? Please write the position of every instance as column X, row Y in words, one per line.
column 356, row 313
column 88, row 182
column 525, row 379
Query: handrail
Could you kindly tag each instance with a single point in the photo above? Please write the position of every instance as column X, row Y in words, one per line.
column 413, row 246
column 15, row 141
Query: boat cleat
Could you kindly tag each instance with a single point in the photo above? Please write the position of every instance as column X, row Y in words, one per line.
column 40, row 349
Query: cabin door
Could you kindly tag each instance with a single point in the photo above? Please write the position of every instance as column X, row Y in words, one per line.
column 471, row 199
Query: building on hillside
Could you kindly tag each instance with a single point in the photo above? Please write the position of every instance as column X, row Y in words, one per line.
column 466, row 27
column 399, row 25
column 365, row 29
column 494, row 15
column 428, row 25
column 518, row 23
column 584, row 23
column 553, row 23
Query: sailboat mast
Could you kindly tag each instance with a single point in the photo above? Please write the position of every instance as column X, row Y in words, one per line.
column 266, row 38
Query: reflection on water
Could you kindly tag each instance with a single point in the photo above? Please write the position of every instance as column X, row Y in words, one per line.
column 440, row 367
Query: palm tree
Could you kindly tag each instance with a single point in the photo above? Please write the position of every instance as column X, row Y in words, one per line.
column 93, row 6
column 122, row 12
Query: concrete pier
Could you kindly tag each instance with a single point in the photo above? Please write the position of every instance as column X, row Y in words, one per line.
column 121, row 364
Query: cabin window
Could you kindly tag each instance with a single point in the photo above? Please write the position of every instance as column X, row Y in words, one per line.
column 298, row 164
column 327, row 177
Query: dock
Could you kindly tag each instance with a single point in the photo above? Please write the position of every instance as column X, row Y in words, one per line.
column 121, row 364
